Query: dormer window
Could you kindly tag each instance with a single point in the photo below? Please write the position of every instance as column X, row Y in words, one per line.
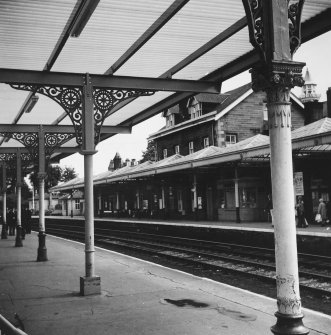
column 170, row 120
column 194, row 108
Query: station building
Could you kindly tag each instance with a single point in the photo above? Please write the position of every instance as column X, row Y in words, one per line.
column 211, row 161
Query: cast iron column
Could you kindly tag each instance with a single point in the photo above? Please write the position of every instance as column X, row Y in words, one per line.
column 195, row 198
column 236, row 194
column 4, row 232
column 90, row 284
column 288, row 296
column 42, row 250
column 18, row 240
column 274, row 28
column 117, row 201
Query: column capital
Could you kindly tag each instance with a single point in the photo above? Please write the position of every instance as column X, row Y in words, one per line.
column 278, row 74
column 41, row 176
column 88, row 152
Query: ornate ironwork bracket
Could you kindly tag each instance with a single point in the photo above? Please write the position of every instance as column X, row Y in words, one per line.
column 10, row 159
column 254, row 14
column 294, row 14
column 55, row 140
column 30, row 141
column 253, row 9
column 71, row 100
column 7, row 157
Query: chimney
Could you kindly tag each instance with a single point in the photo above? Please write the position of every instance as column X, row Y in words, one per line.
column 328, row 97
column 133, row 162
column 111, row 165
column 127, row 162
column 117, row 161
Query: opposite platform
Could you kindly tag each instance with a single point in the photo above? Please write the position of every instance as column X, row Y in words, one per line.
column 137, row 297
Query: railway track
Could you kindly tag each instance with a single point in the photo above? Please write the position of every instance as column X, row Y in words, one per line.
column 314, row 270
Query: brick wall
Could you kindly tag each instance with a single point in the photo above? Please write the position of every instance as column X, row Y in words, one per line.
column 245, row 120
column 182, row 138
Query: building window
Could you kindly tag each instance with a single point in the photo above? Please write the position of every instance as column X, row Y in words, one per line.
column 194, row 108
column 165, row 153
column 180, row 200
column 177, row 150
column 265, row 112
column 77, row 204
column 170, row 120
column 248, row 198
column 190, row 147
column 230, row 139
column 206, row 142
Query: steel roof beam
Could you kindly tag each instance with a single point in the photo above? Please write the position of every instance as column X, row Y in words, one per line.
column 68, row 150
column 28, row 77
column 61, row 129
column 54, row 55
column 235, row 67
column 310, row 29
column 224, row 35
column 172, row 10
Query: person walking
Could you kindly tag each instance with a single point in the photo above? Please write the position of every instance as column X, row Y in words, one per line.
column 322, row 211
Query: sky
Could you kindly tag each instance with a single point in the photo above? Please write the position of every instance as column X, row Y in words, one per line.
column 316, row 54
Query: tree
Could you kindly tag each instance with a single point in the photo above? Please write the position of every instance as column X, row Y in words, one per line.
column 150, row 153
column 68, row 173
column 55, row 174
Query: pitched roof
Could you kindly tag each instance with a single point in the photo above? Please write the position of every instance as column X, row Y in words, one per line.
column 255, row 145
column 251, row 142
column 317, row 127
column 211, row 98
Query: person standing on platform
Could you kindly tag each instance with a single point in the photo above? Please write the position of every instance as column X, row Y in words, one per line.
column 301, row 214
column 28, row 221
column 11, row 222
column 24, row 223
column 322, row 211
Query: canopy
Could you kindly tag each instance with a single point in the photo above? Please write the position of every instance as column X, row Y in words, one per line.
column 183, row 40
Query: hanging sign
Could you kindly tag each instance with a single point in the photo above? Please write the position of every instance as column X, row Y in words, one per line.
column 298, row 183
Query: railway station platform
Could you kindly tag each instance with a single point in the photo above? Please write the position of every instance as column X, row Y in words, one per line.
column 311, row 240
column 137, row 297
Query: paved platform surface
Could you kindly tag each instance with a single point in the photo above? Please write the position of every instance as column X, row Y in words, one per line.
column 137, row 297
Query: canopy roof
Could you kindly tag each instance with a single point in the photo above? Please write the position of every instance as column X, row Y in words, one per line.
column 307, row 140
column 189, row 40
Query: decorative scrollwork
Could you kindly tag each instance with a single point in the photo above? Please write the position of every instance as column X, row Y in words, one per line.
column 294, row 15
column 69, row 98
column 55, row 140
column 106, row 99
column 7, row 157
column 27, row 139
column 27, row 157
column 253, row 9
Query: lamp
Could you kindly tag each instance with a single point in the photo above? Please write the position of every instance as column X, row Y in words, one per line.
column 84, row 14
column 31, row 103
